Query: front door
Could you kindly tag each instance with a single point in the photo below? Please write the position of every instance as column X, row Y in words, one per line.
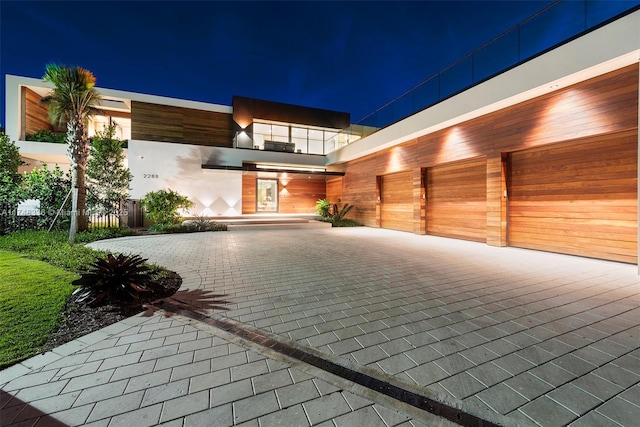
column 267, row 195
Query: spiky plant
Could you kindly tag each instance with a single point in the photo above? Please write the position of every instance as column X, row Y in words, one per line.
column 339, row 214
column 113, row 279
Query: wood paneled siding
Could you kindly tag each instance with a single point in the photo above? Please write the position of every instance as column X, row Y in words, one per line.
column 457, row 200
column 249, row 191
column 607, row 104
column 165, row 123
column 297, row 193
column 396, row 204
column 34, row 115
column 577, row 198
column 334, row 190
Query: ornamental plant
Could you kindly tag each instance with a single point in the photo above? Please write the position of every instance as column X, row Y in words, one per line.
column 162, row 206
column 113, row 279
column 322, row 207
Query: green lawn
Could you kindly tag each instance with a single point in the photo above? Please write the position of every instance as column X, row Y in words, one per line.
column 32, row 297
column 36, row 271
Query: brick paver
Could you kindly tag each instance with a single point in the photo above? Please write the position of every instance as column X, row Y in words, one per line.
column 543, row 339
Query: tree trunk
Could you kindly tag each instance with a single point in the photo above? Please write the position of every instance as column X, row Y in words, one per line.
column 78, row 152
column 83, row 218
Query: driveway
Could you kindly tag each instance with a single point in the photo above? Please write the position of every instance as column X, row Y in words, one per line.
column 537, row 337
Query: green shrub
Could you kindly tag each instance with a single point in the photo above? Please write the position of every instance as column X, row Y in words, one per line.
column 330, row 213
column 188, row 227
column 45, row 135
column 162, row 206
column 322, row 207
column 50, row 187
column 54, row 248
column 112, row 279
column 345, row 223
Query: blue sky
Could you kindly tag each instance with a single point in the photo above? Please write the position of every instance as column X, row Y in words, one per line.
column 351, row 56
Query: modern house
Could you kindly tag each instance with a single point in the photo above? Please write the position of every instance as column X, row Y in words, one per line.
column 542, row 155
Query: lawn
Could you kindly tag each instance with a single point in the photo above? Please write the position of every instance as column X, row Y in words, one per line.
column 32, row 297
column 37, row 269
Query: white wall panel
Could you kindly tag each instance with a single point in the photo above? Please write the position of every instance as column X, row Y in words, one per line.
column 158, row 165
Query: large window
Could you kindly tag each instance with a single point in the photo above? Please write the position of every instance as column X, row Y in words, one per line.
column 305, row 139
column 267, row 195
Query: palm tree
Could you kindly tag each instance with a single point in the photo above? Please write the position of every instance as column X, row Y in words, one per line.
column 72, row 102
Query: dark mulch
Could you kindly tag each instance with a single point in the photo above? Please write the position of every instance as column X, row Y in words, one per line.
column 81, row 319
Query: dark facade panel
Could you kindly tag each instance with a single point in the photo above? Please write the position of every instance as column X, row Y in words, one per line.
column 247, row 109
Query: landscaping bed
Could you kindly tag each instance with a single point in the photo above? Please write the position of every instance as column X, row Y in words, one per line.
column 80, row 319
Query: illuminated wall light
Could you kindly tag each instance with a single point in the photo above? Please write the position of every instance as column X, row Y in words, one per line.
column 243, row 124
column 558, row 107
column 455, row 142
column 395, row 160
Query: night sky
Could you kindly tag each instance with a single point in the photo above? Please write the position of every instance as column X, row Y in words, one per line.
column 348, row 56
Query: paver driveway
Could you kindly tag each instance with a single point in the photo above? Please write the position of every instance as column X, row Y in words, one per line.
column 541, row 338
column 513, row 336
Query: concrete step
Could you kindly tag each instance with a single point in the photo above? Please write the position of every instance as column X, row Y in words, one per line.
column 270, row 221
column 275, row 224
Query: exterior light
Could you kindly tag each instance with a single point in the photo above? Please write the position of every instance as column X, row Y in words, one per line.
column 290, row 168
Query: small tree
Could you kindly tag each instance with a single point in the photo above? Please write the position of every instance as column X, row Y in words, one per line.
column 10, row 161
column 107, row 177
column 162, row 206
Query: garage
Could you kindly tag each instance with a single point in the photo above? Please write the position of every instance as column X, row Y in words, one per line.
column 396, row 197
column 457, row 200
column 576, row 198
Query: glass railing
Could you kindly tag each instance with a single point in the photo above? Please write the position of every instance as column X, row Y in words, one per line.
column 558, row 23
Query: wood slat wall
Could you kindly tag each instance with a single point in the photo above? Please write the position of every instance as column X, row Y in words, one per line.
column 300, row 194
column 297, row 193
column 35, row 116
column 457, row 200
column 360, row 188
column 607, row 104
column 577, row 198
column 334, row 190
column 165, row 123
column 397, row 201
column 249, row 191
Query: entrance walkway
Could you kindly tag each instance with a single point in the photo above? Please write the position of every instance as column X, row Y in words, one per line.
column 512, row 336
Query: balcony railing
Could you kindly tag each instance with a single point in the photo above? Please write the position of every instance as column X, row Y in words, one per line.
column 556, row 24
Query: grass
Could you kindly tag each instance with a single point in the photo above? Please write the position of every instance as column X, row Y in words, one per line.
column 32, row 297
column 54, row 248
column 37, row 270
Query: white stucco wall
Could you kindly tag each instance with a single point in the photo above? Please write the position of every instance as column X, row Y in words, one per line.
column 159, row 165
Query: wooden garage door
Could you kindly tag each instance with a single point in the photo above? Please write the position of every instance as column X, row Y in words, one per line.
column 578, row 198
column 457, row 200
column 397, row 201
